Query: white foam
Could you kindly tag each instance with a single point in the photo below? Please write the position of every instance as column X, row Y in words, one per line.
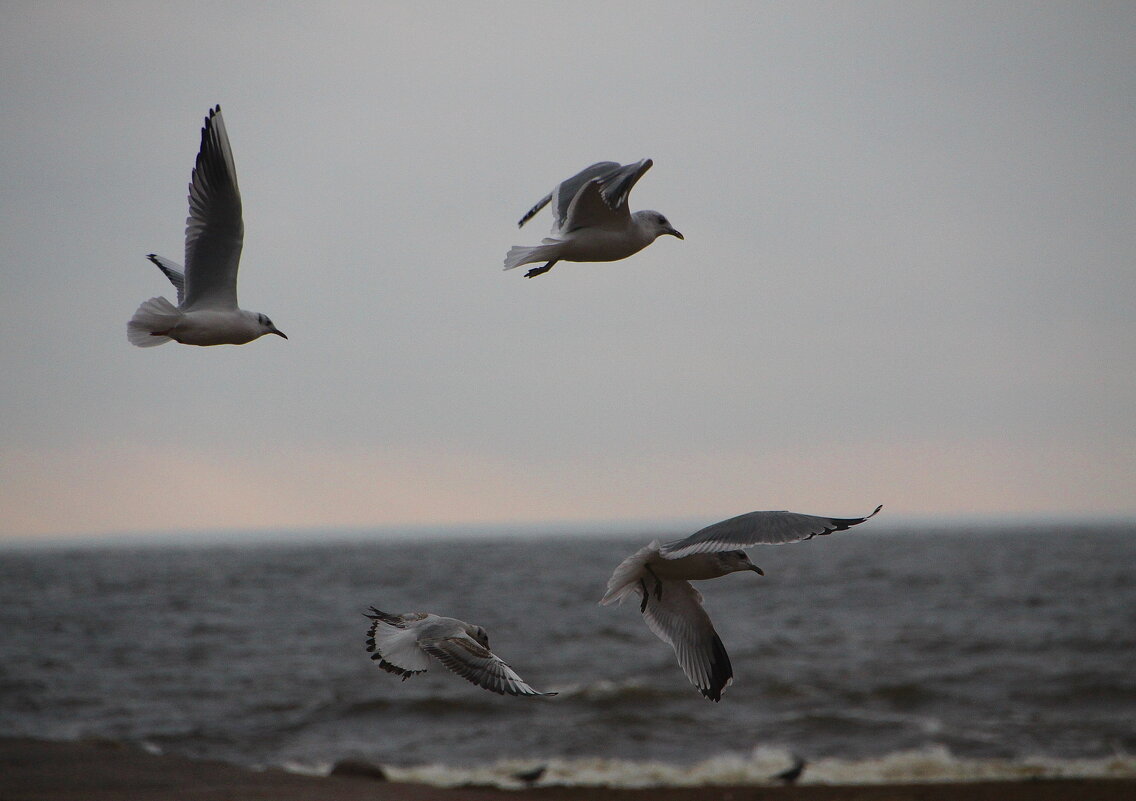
column 934, row 764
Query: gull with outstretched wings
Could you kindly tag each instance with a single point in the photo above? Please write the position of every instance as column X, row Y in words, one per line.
column 660, row 574
column 591, row 219
column 207, row 312
column 405, row 644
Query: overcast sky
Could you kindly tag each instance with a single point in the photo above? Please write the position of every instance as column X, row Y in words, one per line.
column 909, row 274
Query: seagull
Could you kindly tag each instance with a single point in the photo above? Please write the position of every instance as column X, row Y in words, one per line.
column 403, row 645
column 532, row 775
column 592, row 221
column 661, row 574
column 791, row 774
column 207, row 311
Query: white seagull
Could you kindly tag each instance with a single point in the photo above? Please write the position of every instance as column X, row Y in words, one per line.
column 207, row 311
column 592, row 221
column 403, row 645
column 661, row 575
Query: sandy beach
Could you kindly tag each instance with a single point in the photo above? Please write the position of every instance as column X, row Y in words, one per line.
column 36, row 770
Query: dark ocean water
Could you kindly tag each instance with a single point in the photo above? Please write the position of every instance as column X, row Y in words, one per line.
column 876, row 654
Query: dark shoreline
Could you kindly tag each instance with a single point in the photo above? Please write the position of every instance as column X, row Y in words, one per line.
column 38, row 770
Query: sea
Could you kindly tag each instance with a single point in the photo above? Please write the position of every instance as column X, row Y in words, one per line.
column 881, row 654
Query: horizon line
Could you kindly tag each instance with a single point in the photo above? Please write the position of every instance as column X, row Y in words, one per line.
column 264, row 535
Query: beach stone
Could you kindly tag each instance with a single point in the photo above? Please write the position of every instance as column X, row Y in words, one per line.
column 358, row 768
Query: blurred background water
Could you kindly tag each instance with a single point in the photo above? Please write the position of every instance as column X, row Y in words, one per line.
column 994, row 644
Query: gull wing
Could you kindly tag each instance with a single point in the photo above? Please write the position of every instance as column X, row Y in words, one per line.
column 676, row 616
column 589, row 210
column 476, row 663
column 617, row 186
column 394, row 643
column 602, row 201
column 759, row 528
column 172, row 271
column 566, row 190
column 214, row 229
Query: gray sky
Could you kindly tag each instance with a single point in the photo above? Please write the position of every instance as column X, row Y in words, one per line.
column 909, row 274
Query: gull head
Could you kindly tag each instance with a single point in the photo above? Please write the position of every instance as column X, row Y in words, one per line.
column 656, row 224
column 479, row 634
column 265, row 325
column 735, row 561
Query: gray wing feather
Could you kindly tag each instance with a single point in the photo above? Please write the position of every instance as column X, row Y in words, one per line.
column 214, row 229
column 759, row 528
column 398, row 621
column 567, row 189
column 589, row 210
column 477, row 664
column 544, row 201
column 172, row 271
column 677, row 618
column 615, row 181
column 617, row 186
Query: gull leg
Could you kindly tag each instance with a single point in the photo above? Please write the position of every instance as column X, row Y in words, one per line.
column 643, row 603
column 658, row 583
column 535, row 271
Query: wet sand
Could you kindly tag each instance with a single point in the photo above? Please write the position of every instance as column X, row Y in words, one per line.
column 35, row 770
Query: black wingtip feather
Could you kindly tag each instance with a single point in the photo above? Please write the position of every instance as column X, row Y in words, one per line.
column 721, row 671
column 847, row 523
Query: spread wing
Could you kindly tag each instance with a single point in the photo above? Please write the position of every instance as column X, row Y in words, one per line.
column 394, row 644
column 675, row 614
column 476, row 663
column 214, row 229
column 172, row 271
column 602, row 201
column 759, row 528
column 617, row 185
column 566, row 190
column 589, row 210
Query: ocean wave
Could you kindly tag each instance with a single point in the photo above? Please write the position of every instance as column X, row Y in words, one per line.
column 608, row 691
column 760, row 767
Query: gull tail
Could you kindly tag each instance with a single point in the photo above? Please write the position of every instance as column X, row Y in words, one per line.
column 625, row 579
column 519, row 254
column 151, row 323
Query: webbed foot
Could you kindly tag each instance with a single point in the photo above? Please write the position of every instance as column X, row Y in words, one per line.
column 535, row 271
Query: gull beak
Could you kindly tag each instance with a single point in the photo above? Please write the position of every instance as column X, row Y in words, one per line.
column 675, row 234
column 278, row 333
column 757, row 570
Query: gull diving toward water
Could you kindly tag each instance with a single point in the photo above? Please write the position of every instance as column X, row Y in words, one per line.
column 207, row 311
column 661, row 575
column 403, row 645
column 591, row 219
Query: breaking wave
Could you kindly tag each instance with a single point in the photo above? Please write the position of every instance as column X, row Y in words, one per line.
column 760, row 767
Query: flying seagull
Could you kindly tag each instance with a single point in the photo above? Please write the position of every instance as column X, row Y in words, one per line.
column 403, row 645
column 661, row 574
column 207, row 311
column 591, row 219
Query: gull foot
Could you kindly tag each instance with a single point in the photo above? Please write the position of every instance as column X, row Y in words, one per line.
column 535, row 271
column 658, row 583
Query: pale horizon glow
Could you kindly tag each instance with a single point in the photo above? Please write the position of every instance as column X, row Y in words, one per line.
column 908, row 273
